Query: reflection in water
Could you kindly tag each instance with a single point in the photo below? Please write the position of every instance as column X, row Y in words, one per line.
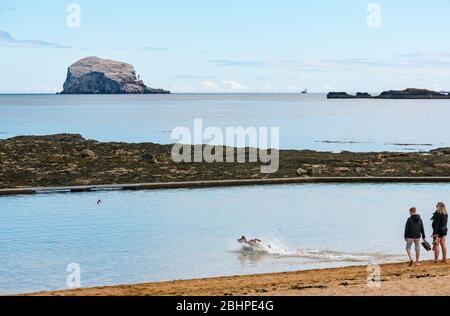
column 252, row 257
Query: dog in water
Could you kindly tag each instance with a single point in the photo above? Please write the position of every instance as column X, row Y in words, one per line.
column 252, row 245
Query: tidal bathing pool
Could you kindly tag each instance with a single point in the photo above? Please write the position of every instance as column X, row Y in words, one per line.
column 146, row 236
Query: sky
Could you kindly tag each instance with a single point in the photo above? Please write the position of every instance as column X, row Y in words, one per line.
column 204, row 46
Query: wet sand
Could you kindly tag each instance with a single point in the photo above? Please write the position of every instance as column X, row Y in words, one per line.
column 396, row 280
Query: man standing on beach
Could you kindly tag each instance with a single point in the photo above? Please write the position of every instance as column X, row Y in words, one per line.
column 414, row 230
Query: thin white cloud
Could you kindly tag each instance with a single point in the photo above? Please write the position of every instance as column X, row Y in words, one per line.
column 233, row 86
column 294, row 88
column 268, row 87
column 7, row 9
column 40, row 88
column 6, row 40
column 223, row 86
column 194, row 77
column 210, row 86
column 427, row 54
column 413, row 62
column 328, row 88
column 155, row 49
column 238, row 63
column 183, row 88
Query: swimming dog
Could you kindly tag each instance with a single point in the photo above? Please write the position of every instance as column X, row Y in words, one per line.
column 252, row 245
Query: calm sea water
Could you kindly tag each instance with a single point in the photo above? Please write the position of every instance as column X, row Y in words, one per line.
column 144, row 236
column 305, row 121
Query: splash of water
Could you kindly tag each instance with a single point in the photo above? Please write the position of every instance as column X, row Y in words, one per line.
column 278, row 249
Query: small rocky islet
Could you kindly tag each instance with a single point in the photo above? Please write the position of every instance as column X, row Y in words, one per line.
column 71, row 160
column 410, row 93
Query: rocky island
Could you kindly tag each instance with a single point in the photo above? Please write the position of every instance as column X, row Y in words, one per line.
column 93, row 75
column 410, row 93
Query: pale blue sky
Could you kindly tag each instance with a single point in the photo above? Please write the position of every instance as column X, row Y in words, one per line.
column 233, row 45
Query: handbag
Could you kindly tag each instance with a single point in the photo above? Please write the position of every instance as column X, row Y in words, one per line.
column 426, row 245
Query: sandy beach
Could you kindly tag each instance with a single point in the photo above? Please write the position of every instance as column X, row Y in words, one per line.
column 396, row 280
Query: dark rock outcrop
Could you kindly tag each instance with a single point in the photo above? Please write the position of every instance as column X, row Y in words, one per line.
column 339, row 95
column 93, row 75
column 410, row 93
column 365, row 95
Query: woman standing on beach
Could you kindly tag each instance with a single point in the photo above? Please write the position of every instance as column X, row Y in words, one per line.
column 440, row 220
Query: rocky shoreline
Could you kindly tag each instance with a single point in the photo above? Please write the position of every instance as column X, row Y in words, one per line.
column 71, row 160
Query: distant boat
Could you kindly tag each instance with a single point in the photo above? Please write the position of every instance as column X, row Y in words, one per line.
column 305, row 91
